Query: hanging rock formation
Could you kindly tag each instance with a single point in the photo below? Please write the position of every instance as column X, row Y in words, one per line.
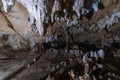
column 36, row 20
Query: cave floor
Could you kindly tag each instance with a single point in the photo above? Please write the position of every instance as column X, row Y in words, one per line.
column 20, row 65
column 14, row 66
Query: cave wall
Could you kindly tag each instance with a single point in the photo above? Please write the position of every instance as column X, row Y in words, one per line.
column 25, row 25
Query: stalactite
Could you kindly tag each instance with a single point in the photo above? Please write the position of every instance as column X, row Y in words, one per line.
column 108, row 21
column 78, row 4
column 37, row 11
column 56, row 7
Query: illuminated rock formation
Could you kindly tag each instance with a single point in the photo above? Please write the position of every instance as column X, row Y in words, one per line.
column 40, row 18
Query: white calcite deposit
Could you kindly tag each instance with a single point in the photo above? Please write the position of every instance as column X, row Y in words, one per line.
column 78, row 4
column 37, row 12
column 108, row 21
column 35, row 8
